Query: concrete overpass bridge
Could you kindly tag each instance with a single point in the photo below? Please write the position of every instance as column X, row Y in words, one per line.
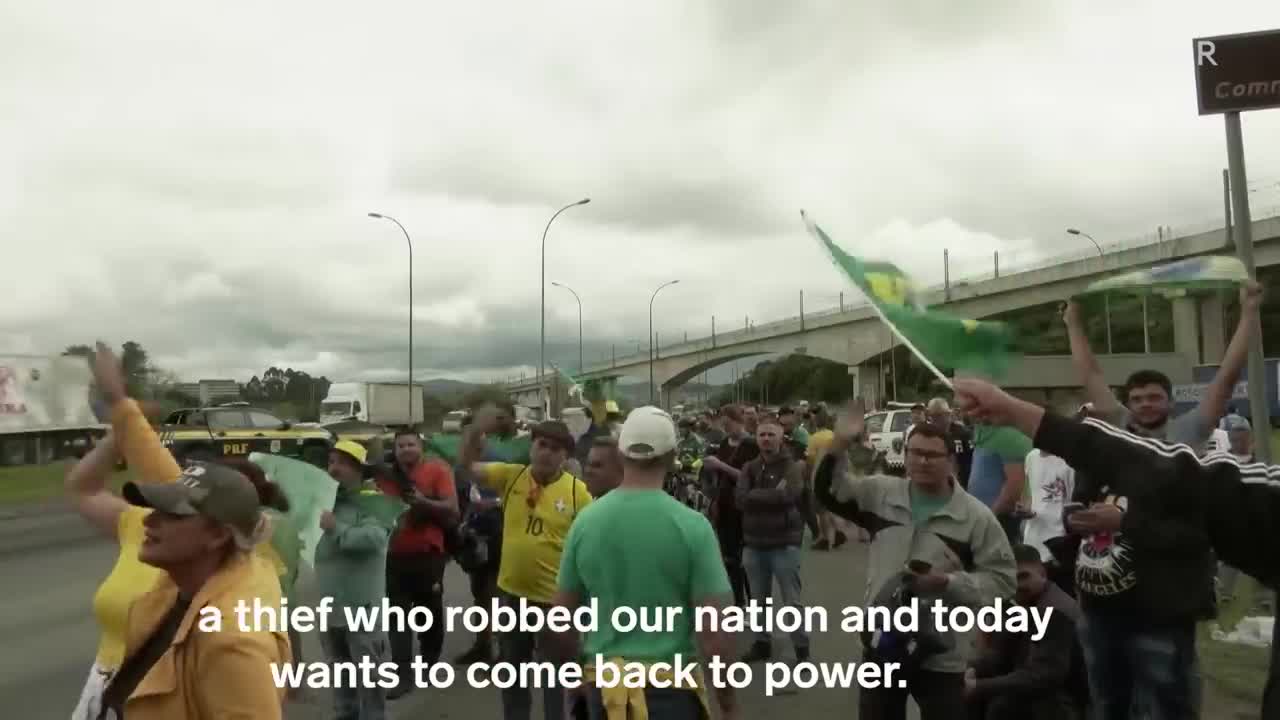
column 854, row 335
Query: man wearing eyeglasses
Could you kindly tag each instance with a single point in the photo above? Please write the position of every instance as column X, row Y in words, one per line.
column 931, row 541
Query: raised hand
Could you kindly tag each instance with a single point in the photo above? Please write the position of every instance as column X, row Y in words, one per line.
column 850, row 425
column 108, row 374
column 1251, row 296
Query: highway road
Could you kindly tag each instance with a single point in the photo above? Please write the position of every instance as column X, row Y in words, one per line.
column 51, row 566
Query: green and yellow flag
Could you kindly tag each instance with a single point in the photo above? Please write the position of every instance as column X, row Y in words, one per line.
column 310, row 491
column 1177, row 279
column 942, row 341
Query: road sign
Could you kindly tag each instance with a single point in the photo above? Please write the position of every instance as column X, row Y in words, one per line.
column 1235, row 73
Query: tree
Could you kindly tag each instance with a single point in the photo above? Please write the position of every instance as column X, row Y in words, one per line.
column 792, row 378
column 83, row 351
column 253, row 391
column 293, row 390
column 137, row 367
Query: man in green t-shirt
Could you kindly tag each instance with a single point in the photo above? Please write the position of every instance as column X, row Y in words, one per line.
column 639, row 548
column 997, row 476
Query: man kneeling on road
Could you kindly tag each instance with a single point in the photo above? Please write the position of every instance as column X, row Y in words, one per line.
column 640, row 548
column 931, row 541
column 1018, row 676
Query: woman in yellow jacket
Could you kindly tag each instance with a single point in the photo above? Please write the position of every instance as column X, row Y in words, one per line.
column 132, row 437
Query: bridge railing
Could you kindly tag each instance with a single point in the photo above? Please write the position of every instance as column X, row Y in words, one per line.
column 964, row 271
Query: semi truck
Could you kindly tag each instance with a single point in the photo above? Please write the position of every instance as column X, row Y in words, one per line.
column 46, row 410
column 392, row 405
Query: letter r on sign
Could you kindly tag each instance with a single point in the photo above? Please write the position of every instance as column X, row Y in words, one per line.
column 1204, row 51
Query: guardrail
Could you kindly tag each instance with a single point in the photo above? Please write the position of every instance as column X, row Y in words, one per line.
column 1034, row 260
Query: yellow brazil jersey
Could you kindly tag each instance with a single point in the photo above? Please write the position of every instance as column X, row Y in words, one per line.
column 818, row 444
column 535, row 523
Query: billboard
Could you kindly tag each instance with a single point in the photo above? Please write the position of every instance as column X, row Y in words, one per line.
column 1235, row 73
column 44, row 393
column 1186, row 396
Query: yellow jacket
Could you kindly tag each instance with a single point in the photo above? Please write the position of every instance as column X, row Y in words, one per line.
column 222, row 675
column 130, row 577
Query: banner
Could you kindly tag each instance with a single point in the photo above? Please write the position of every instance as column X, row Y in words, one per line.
column 310, row 491
column 939, row 339
column 1177, row 279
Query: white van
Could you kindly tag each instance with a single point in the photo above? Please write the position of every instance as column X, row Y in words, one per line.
column 887, row 431
column 452, row 422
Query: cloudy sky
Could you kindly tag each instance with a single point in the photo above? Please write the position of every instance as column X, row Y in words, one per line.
column 198, row 181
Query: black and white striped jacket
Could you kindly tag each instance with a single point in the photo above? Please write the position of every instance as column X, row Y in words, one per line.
column 1236, row 505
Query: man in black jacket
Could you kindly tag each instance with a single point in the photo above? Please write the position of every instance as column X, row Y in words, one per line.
column 1018, row 676
column 769, row 494
column 1235, row 506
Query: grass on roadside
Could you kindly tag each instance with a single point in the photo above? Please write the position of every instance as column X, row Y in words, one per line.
column 36, row 483
column 1238, row 671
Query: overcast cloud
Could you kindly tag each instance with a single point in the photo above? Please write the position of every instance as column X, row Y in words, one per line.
column 199, row 181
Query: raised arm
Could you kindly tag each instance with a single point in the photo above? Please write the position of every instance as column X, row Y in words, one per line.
column 1086, row 363
column 1238, row 505
column 86, row 487
column 138, row 443
column 1214, row 403
column 849, row 460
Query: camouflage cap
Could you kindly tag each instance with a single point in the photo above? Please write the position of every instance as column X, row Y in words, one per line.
column 214, row 491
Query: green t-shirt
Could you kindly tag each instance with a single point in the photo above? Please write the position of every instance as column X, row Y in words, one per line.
column 1011, row 445
column 800, row 435
column 644, row 550
column 923, row 506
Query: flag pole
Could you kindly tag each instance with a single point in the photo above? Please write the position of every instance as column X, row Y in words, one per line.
column 893, row 329
column 919, row 355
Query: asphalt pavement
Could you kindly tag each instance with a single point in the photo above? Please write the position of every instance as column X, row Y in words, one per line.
column 52, row 566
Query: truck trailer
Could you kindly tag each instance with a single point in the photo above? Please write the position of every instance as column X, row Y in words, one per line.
column 46, row 411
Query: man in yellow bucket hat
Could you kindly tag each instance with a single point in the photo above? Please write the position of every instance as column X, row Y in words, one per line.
column 351, row 560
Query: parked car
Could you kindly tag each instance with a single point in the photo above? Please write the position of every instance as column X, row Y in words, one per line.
column 887, row 431
column 452, row 422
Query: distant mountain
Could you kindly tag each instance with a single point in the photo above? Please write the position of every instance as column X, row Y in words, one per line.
column 637, row 394
column 445, row 388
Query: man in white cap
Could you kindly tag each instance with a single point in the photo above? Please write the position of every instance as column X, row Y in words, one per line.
column 640, row 548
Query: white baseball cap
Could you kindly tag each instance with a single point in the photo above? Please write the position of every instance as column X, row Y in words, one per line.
column 648, row 433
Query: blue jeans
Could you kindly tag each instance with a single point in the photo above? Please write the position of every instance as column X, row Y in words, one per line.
column 1151, row 674
column 662, row 704
column 518, row 647
column 763, row 566
column 346, row 646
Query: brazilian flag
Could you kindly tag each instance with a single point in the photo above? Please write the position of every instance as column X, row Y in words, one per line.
column 939, row 338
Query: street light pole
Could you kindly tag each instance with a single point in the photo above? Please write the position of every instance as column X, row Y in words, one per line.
column 575, row 297
column 1106, row 299
column 409, row 242
column 651, row 299
column 542, row 344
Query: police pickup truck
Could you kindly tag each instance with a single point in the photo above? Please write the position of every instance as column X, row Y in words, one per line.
column 236, row 429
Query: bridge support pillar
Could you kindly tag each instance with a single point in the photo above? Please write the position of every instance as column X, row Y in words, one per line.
column 1186, row 329
column 1212, row 330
